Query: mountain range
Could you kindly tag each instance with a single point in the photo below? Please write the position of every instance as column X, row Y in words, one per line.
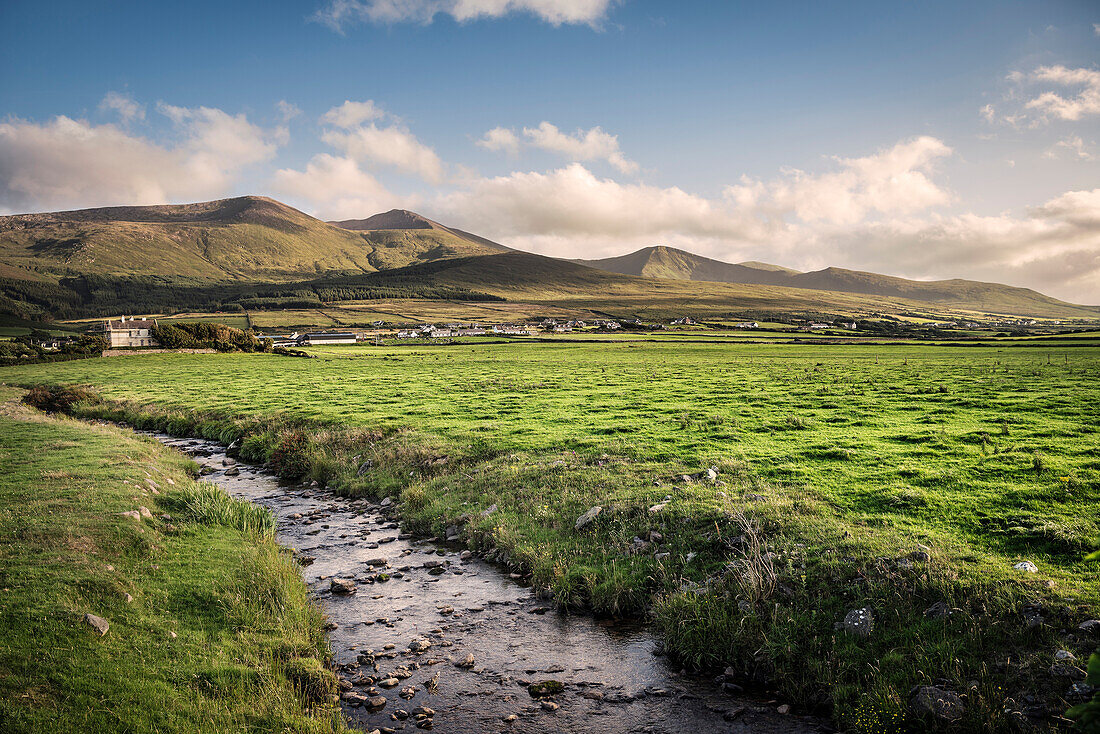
column 257, row 240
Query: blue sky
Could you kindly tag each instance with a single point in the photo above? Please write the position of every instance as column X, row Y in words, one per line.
column 921, row 139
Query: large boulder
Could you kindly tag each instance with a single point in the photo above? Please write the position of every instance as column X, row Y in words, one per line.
column 586, row 519
column 859, row 622
column 933, row 702
column 99, row 624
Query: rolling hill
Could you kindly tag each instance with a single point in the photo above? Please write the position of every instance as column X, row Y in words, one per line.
column 523, row 276
column 671, row 263
column 226, row 253
column 249, row 238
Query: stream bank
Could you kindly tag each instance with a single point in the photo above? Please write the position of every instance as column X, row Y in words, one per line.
column 430, row 637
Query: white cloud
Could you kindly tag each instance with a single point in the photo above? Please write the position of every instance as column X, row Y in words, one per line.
column 352, row 114
column 500, row 139
column 1074, row 146
column 68, row 163
column 1078, row 96
column 124, row 106
column 287, row 110
column 583, row 145
column 893, row 181
column 388, row 146
column 336, row 188
column 571, row 201
column 391, row 145
column 338, row 14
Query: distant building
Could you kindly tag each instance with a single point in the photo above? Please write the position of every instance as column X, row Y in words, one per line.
column 747, row 325
column 127, row 333
column 320, row 338
column 850, row 325
column 685, row 321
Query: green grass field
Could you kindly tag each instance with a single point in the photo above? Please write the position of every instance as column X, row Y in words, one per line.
column 835, row 464
column 206, row 614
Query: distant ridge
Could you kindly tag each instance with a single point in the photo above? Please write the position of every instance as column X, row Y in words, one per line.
column 669, row 262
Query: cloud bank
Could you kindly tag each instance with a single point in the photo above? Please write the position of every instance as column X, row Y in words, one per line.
column 68, row 163
column 339, row 14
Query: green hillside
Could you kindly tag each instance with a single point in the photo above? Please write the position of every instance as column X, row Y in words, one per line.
column 249, row 238
column 669, row 262
column 526, row 277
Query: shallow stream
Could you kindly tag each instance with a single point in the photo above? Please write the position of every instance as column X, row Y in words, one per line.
column 411, row 593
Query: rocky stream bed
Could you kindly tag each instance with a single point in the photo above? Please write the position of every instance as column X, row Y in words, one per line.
column 427, row 636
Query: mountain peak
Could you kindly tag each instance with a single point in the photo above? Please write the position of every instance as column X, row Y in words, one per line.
column 393, row 219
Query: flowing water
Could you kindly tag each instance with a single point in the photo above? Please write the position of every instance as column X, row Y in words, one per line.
column 412, row 593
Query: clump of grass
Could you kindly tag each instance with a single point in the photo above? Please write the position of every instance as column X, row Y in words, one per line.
column 797, row 422
column 1038, row 462
column 56, row 398
column 209, row 504
column 315, row 684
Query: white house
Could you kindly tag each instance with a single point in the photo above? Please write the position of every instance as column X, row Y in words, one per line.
column 130, row 332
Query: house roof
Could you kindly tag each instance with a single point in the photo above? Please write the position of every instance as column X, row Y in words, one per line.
column 132, row 324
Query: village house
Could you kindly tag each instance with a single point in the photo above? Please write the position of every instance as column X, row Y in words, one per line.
column 850, row 325
column 747, row 325
column 685, row 321
column 127, row 333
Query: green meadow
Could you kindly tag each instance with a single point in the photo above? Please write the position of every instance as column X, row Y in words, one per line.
column 210, row 625
column 886, row 477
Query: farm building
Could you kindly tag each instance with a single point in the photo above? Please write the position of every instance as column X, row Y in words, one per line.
column 130, row 332
column 335, row 337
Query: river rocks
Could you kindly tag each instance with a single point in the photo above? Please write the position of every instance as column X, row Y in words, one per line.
column 929, row 701
column 545, row 688
column 432, row 563
column 388, row 682
column 453, row 533
column 509, row 719
column 465, row 555
column 99, row 624
column 376, row 702
column 386, row 502
column 232, row 472
column 419, row 645
column 784, row 709
column 378, row 561
column 1026, row 567
column 549, row 706
column 466, row 662
column 586, row 519
column 408, row 692
column 343, row 587
column 859, row 622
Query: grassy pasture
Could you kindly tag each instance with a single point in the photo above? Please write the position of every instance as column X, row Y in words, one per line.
column 217, row 614
column 834, row 463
